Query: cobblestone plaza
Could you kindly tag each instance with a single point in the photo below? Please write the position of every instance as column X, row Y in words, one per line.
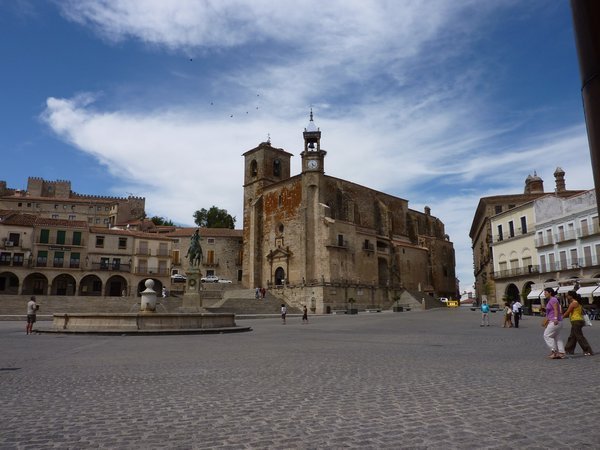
column 432, row 379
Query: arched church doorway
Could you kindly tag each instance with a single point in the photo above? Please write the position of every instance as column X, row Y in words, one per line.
column 279, row 276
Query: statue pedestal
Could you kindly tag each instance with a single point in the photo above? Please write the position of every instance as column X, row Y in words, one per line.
column 192, row 301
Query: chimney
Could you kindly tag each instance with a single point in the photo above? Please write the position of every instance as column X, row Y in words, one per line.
column 559, row 176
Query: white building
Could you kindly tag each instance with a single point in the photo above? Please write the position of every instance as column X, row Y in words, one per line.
column 514, row 252
column 550, row 241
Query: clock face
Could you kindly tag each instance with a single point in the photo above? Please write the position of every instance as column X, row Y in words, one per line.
column 313, row 164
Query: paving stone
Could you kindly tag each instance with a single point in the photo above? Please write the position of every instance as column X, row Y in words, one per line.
column 414, row 380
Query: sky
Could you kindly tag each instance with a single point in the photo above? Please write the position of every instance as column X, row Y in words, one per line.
column 440, row 102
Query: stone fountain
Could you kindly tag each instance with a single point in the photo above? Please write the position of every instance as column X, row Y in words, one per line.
column 147, row 320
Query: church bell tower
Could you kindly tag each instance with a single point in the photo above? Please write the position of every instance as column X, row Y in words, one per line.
column 313, row 158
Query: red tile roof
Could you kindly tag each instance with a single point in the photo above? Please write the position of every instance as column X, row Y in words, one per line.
column 30, row 220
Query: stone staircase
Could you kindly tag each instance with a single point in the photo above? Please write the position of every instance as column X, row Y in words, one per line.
column 243, row 301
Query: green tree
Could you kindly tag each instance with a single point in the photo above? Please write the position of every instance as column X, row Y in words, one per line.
column 214, row 218
column 158, row 220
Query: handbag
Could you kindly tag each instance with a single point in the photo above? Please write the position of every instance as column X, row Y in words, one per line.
column 587, row 320
column 545, row 322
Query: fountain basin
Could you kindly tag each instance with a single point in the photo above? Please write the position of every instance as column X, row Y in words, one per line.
column 144, row 323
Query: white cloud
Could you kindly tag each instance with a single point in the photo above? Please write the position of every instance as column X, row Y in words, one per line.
column 399, row 110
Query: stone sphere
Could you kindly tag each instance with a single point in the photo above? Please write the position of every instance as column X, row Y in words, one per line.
column 149, row 283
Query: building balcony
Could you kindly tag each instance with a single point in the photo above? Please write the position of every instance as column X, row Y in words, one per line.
column 100, row 266
column 210, row 263
column 580, row 263
column 516, row 272
column 157, row 271
column 65, row 243
column 544, row 241
column 593, row 230
column 566, row 236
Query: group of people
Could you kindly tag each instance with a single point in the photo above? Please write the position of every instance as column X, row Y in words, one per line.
column 553, row 325
column 552, row 322
column 512, row 310
column 260, row 293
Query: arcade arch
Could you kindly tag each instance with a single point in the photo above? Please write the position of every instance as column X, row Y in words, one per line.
column 90, row 285
column 9, row 283
column 115, row 286
column 63, row 284
column 35, row 284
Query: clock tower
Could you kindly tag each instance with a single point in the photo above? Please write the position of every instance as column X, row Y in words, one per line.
column 313, row 158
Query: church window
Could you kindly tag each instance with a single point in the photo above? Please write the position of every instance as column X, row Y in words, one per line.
column 277, row 168
column 498, row 209
column 280, row 228
column 254, row 168
column 280, row 200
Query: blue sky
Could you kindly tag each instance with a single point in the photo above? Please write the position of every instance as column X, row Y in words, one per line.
column 440, row 102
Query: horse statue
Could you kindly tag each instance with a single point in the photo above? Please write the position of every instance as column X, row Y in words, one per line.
column 194, row 253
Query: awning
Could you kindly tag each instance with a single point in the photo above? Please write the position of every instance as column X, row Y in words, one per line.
column 565, row 289
column 586, row 291
column 535, row 294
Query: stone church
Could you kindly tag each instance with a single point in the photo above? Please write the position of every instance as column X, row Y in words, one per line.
column 326, row 243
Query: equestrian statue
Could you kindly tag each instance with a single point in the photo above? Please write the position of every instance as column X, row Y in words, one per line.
column 194, row 253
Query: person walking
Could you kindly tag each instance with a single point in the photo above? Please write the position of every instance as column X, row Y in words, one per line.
column 553, row 325
column 304, row 314
column 507, row 316
column 517, row 310
column 575, row 313
column 32, row 308
column 283, row 312
column 485, row 314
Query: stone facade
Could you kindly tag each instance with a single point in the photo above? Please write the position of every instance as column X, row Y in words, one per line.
column 44, row 256
column 56, row 200
column 326, row 240
column 221, row 253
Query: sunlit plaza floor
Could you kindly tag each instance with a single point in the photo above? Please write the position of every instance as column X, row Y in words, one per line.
column 432, row 379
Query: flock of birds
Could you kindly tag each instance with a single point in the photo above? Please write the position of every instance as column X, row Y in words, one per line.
column 231, row 115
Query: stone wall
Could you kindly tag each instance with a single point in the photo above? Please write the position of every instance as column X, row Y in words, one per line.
column 17, row 304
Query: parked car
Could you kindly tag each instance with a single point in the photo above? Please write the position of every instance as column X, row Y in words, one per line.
column 223, row 280
column 210, row 279
column 178, row 278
